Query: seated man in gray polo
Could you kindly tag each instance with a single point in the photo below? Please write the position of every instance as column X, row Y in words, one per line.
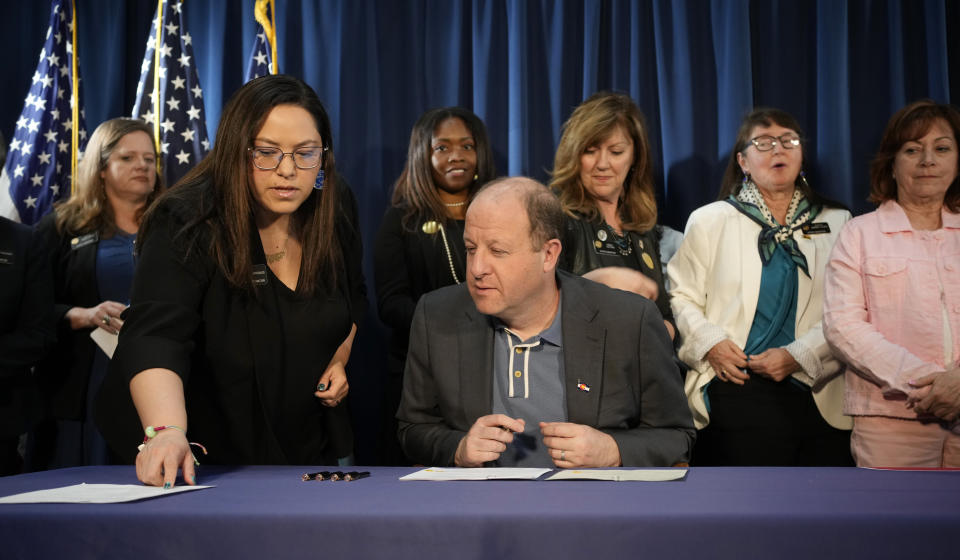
column 530, row 366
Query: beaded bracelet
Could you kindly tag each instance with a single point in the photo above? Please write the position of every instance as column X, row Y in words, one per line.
column 150, row 432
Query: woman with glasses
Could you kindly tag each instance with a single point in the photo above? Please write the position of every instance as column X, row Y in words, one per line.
column 603, row 175
column 245, row 301
column 748, row 298
column 419, row 246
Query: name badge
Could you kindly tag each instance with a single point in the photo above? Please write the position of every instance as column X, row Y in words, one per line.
column 84, row 240
column 606, row 247
column 6, row 257
column 259, row 275
column 815, row 228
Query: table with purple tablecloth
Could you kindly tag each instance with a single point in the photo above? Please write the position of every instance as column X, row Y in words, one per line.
column 270, row 512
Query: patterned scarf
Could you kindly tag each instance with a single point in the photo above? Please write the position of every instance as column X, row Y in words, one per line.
column 750, row 202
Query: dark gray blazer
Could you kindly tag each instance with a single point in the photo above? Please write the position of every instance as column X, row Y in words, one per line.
column 613, row 341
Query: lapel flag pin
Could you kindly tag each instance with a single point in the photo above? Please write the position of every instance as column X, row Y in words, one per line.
column 583, row 386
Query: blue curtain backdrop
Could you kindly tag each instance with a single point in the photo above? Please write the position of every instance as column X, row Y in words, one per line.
column 694, row 67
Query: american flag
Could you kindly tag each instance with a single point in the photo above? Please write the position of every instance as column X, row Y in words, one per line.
column 261, row 57
column 39, row 161
column 183, row 136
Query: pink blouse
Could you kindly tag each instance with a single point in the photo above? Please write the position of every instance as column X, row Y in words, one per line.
column 888, row 288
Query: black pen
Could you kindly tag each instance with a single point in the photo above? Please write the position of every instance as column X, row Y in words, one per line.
column 322, row 475
column 354, row 475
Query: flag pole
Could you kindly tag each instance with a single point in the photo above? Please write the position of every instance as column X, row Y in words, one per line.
column 273, row 36
column 156, row 82
column 75, row 100
column 269, row 27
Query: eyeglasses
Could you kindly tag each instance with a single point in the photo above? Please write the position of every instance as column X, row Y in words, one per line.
column 270, row 158
column 766, row 143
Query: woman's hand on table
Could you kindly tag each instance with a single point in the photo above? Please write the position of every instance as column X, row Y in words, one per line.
column 161, row 457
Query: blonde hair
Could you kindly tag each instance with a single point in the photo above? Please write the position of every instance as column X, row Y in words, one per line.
column 87, row 209
column 592, row 122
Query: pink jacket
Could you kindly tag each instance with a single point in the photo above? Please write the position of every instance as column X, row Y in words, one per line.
column 883, row 306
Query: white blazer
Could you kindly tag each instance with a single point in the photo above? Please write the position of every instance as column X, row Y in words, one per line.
column 716, row 283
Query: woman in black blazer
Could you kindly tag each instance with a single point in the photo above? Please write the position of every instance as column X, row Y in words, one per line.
column 90, row 240
column 246, row 300
column 419, row 247
column 26, row 335
column 603, row 175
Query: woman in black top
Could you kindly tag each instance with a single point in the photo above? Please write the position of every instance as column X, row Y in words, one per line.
column 90, row 240
column 246, row 298
column 603, row 175
column 419, row 246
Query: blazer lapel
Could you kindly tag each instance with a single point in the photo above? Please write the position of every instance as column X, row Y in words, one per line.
column 751, row 270
column 475, row 351
column 583, row 351
column 804, row 283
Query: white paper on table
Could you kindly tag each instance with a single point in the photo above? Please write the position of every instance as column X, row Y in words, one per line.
column 95, row 494
column 440, row 473
column 107, row 341
column 620, row 475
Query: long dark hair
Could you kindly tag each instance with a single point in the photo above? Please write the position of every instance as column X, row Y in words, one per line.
column 227, row 203
column 910, row 123
column 768, row 116
column 415, row 189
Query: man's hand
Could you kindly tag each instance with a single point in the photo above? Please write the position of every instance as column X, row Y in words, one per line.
column 578, row 446
column 775, row 363
column 486, row 440
column 942, row 399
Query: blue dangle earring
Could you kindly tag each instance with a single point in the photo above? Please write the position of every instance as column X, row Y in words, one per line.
column 803, row 179
column 746, row 179
column 318, row 185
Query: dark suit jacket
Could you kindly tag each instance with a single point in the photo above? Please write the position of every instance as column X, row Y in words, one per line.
column 613, row 341
column 65, row 373
column 26, row 333
column 406, row 265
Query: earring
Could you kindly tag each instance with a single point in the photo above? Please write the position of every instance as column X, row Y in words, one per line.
column 476, row 176
column 318, row 185
column 746, row 179
column 803, row 179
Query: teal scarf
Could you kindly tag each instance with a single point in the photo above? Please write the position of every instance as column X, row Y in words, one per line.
column 750, row 203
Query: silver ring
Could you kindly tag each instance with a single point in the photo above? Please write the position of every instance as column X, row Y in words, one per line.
column 563, row 455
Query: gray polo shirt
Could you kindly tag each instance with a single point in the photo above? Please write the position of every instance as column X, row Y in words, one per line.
column 528, row 384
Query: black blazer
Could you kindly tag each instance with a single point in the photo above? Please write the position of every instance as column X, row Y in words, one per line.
column 224, row 343
column 406, row 265
column 65, row 374
column 580, row 255
column 613, row 341
column 26, row 334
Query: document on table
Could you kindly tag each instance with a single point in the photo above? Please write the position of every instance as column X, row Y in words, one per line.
column 620, row 475
column 441, row 473
column 107, row 341
column 95, row 494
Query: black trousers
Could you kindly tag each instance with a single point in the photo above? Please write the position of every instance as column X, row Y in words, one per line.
column 765, row 423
